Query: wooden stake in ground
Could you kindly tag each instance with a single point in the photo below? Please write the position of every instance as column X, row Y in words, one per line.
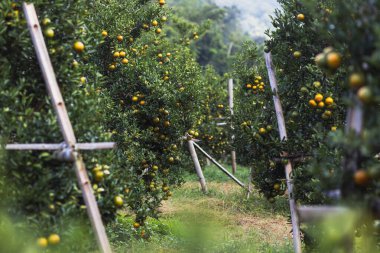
column 218, row 165
column 288, row 166
column 65, row 125
column 197, row 166
column 351, row 160
column 231, row 105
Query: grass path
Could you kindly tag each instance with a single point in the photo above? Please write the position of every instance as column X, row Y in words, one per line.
column 221, row 221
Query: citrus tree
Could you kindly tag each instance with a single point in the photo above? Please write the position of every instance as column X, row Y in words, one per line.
column 155, row 89
column 310, row 98
column 39, row 190
column 354, row 26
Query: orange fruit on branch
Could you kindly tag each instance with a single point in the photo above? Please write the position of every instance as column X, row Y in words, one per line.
column 42, row 242
column 301, row 17
column 361, row 178
column 334, row 60
column 54, row 239
column 356, row 80
column 78, row 47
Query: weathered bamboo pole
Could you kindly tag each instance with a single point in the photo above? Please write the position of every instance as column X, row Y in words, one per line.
column 219, row 165
column 197, row 166
column 65, row 125
column 351, row 160
column 231, row 105
column 315, row 213
column 59, row 146
column 288, row 166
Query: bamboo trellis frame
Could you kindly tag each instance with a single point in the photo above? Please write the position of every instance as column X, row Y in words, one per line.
column 69, row 149
column 192, row 145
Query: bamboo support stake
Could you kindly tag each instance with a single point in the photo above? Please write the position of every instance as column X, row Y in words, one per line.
column 315, row 213
column 197, row 166
column 65, row 125
column 91, row 204
column 288, row 166
column 59, row 146
column 231, row 105
column 249, row 183
column 351, row 160
column 48, row 73
column 219, row 165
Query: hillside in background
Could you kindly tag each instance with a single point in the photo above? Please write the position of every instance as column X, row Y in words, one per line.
column 222, row 27
column 254, row 15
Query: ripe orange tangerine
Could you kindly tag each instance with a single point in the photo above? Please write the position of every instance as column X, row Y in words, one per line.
column 301, row 17
column 334, row 60
column 356, row 80
column 78, row 47
column 318, row 97
column 329, row 101
column 118, row 201
column 54, row 239
column 312, row 103
column 42, row 242
column 361, row 177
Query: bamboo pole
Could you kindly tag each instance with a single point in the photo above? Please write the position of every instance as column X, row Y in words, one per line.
column 48, row 73
column 351, row 160
column 288, row 166
column 59, row 146
column 315, row 213
column 219, row 165
column 65, row 125
column 231, row 105
column 91, row 204
column 197, row 166
column 249, row 183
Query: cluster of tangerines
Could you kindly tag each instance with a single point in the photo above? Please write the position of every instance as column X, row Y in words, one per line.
column 187, row 40
column 161, row 123
column 330, row 61
column 151, row 183
column 357, row 83
column 193, row 134
column 300, row 17
column 279, row 189
column 52, row 240
column 163, row 58
column 262, row 130
column 155, row 24
column 138, row 99
column 119, row 55
column 12, row 17
column 257, row 86
column 321, row 103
